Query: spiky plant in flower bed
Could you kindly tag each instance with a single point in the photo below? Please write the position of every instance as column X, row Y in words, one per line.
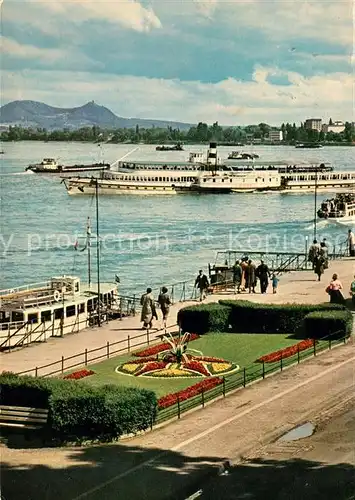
column 178, row 348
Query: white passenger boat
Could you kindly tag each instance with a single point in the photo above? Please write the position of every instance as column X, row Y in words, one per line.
column 339, row 209
column 147, row 177
column 60, row 306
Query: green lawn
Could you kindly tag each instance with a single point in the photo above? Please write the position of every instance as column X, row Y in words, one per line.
column 242, row 349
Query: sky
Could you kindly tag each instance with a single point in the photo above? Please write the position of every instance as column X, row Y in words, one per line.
column 237, row 62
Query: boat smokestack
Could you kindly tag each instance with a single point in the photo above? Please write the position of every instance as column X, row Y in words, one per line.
column 212, row 154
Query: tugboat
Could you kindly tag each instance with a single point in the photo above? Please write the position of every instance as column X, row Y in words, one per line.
column 338, row 209
column 236, row 155
column 51, row 166
column 177, row 147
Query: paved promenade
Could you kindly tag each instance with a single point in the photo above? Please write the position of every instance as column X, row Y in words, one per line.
column 301, row 287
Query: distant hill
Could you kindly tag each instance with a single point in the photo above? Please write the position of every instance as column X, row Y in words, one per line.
column 38, row 114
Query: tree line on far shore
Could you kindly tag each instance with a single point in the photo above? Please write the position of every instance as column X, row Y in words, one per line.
column 201, row 133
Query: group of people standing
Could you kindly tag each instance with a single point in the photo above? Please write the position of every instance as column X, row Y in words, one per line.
column 246, row 274
column 318, row 255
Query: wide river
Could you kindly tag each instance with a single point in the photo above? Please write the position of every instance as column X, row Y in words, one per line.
column 145, row 240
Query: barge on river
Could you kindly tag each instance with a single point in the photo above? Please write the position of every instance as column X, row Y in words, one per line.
column 51, row 166
column 55, row 308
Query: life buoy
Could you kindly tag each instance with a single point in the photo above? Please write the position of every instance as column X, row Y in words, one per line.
column 56, row 296
column 12, row 291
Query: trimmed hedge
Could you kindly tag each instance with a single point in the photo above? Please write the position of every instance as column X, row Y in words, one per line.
column 204, row 318
column 330, row 324
column 251, row 317
column 79, row 411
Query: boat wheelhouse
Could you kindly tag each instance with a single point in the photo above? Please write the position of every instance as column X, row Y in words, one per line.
column 60, row 306
column 338, row 209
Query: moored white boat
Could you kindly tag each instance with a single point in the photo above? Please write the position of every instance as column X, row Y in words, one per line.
column 32, row 313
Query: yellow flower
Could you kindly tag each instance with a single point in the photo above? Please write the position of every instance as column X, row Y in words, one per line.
column 171, row 372
column 221, row 367
column 130, row 367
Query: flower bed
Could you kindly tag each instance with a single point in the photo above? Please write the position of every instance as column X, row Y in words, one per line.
column 195, row 366
column 151, row 366
column 208, row 359
column 189, row 392
column 79, row 374
column 164, row 346
column 287, row 352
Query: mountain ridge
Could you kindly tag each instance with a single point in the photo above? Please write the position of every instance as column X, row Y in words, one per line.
column 28, row 113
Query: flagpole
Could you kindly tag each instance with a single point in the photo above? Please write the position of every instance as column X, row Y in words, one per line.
column 88, row 244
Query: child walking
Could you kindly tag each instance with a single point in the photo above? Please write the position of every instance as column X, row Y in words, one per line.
column 275, row 282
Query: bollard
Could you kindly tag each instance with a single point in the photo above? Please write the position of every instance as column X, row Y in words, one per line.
column 36, row 372
column 108, row 349
column 298, row 354
column 62, row 364
column 329, row 344
column 314, row 347
column 128, row 343
column 86, row 357
column 148, row 336
column 203, row 398
column 263, row 369
column 244, row 377
column 224, row 387
column 281, row 362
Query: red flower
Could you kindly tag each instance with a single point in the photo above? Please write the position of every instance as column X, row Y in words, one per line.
column 79, row 374
column 208, row 359
column 189, row 392
column 286, row 352
column 196, row 367
column 155, row 349
column 150, row 366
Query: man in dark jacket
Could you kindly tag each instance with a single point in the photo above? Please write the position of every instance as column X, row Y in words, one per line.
column 263, row 273
column 202, row 284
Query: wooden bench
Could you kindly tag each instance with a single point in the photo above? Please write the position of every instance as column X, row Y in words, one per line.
column 23, row 417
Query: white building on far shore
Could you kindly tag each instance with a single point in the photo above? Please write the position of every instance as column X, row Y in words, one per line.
column 335, row 127
column 275, row 135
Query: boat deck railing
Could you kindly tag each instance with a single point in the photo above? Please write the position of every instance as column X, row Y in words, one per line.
column 26, row 288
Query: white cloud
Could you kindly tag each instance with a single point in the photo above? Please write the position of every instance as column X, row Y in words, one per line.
column 127, row 13
column 59, row 58
column 328, row 21
column 230, row 102
column 16, row 50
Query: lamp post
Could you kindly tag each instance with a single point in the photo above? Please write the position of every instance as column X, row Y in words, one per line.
column 315, row 204
column 94, row 182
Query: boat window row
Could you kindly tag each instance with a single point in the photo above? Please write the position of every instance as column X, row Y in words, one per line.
column 157, row 179
column 257, row 179
column 324, row 177
column 135, row 166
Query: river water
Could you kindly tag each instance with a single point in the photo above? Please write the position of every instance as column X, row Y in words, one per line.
column 145, row 240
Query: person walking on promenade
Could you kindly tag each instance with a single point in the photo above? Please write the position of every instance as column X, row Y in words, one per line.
column 275, row 281
column 243, row 265
column 334, row 290
column 314, row 250
column 237, row 276
column 319, row 266
column 263, row 273
column 250, row 276
column 202, row 284
column 323, row 252
column 165, row 303
column 351, row 243
column 148, row 309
